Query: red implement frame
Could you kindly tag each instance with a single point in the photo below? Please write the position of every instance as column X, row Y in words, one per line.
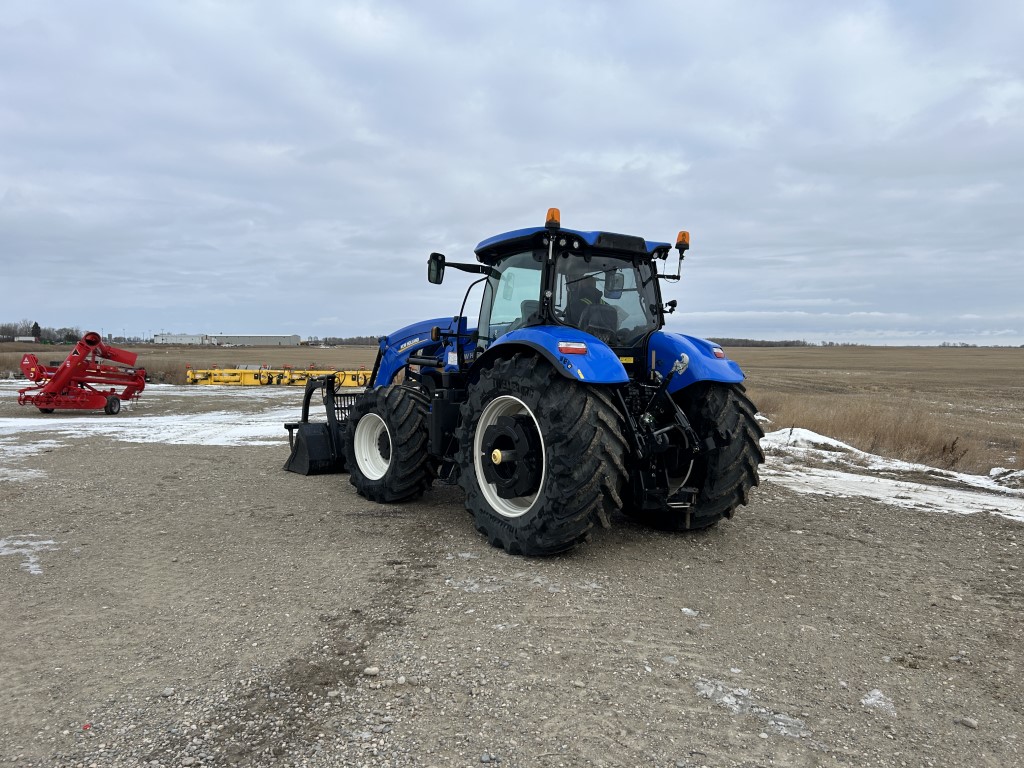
column 81, row 382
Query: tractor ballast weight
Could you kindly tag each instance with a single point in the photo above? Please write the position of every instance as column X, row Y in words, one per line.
column 567, row 404
column 82, row 382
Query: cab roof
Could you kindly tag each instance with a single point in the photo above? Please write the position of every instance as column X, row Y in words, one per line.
column 611, row 241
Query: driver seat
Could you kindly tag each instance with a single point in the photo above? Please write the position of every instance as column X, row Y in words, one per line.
column 529, row 307
column 598, row 318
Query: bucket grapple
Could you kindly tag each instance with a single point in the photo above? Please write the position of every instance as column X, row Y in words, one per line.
column 82, row 382
column 317, row 446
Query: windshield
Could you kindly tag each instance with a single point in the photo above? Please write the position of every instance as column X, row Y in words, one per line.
column 612, row 299
column 512, row 296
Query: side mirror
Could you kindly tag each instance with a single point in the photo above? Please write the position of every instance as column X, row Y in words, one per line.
column 613, row 284
column 508, row 285
column 435, row 268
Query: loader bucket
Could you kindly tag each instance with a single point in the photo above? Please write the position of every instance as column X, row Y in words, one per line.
column 317, row 446
column 313, row 450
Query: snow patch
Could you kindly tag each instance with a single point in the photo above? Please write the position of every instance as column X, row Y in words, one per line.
column 850, row 472
column 28, row 546
column 739, row 701
column 875, row 699
column 9, row 448
column 214, row 428
column 14, row 453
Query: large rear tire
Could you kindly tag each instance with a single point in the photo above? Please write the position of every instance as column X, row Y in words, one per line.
column 386, row 445
column 723, row 476
column 541, row 458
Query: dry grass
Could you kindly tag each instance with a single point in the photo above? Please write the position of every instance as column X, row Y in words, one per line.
column 901, row 430
column 950, row 408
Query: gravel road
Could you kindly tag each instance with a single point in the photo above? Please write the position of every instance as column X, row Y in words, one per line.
column 196, row 605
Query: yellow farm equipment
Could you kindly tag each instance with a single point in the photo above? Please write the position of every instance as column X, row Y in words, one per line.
column 261, row 376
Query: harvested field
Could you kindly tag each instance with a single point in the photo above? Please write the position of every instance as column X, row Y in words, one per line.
column 954, row 408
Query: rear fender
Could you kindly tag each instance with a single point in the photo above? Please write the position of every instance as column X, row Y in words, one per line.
column 707, row 360
column 600, row 365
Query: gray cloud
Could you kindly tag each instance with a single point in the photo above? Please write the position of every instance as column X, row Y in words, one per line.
column 850, row 171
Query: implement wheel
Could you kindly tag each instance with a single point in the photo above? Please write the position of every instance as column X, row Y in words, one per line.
column 386, row 445
column 113, row 406
column 723, row 476
column 541, row 458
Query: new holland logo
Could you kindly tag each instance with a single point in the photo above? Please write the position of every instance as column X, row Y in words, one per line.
column 408, row 344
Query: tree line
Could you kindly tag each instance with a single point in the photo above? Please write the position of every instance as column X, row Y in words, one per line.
column 348, row 341
column 10, row 331
column 762, row 343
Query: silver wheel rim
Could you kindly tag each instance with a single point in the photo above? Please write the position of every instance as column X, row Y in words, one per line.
column 505, row 405
column 367, row 444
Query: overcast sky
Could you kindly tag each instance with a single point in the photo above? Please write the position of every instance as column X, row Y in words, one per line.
column 849, row 171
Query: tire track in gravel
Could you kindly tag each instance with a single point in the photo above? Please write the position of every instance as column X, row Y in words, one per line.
column 313, row 704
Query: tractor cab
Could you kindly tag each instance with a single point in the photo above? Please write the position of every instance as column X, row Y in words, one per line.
column 602, row 283
column 610, row 296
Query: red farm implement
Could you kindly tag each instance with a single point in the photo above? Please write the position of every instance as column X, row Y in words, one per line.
column 82, row 382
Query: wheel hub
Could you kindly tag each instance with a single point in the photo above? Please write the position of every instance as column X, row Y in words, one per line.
column 512, row 457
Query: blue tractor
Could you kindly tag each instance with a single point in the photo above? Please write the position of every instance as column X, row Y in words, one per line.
column 568, row 401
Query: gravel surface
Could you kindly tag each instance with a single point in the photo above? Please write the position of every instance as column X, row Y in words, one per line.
column 190, row 605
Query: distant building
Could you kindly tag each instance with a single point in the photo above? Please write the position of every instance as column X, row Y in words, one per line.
column 255, row 341
column 181, row 338
column 223, row 340
column 33, row 339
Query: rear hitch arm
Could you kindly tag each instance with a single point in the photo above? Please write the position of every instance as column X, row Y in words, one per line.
column 682, row 423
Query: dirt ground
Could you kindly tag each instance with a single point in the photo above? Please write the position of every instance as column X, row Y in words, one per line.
column 200, row 606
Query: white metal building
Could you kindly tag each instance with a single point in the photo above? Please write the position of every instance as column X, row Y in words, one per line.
column 222, row 340
column 255, row 341
column 181, row 338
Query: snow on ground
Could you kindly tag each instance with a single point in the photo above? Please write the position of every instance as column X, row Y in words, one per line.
column 795, row 458
column 261, row 420
column 28, row 548
column 213, row 428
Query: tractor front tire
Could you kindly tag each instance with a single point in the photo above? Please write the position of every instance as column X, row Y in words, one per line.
column 724, row 475
column 541, row 458
column 386, row 445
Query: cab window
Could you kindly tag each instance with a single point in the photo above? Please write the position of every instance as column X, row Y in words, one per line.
column 612, row 299
column 512, row 296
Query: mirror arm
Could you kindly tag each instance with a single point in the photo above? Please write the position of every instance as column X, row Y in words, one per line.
column 479, row 269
